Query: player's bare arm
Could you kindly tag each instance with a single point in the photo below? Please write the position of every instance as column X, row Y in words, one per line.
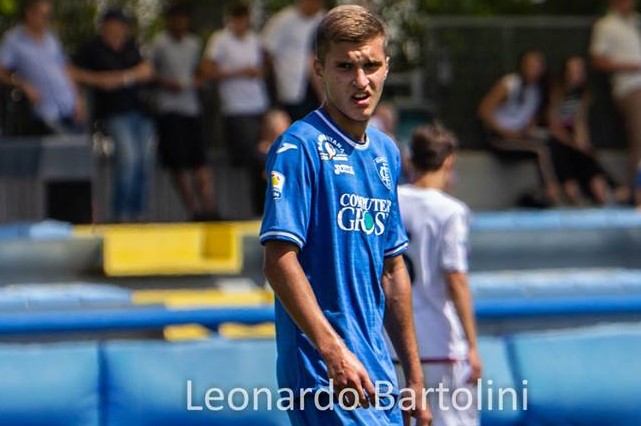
column 462, row 298
column 399, row 323
column 287, row 278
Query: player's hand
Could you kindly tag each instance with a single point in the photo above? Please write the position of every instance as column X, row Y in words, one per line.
column 110, row 80
column 173, row 85
column 475, row 365
column 80, row 111
column 31, row 93
column 347, row 372
column 511, row 134
column 631, row 67
column 252, row 72
column 419, row 409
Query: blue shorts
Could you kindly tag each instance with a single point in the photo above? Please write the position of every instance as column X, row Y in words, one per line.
column 337, row 416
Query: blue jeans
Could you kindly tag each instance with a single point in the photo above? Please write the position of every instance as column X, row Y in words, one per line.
column 133, row 137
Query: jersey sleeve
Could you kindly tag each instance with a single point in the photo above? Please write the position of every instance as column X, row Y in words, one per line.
column 455, row 243
column 213, row 50
column 84, row 58
column 395, row 236
column 600, row 43
column 288, row 200
column 271, row 35
column 7, row 53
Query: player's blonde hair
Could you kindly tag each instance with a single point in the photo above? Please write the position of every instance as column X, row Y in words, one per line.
column 348, row 23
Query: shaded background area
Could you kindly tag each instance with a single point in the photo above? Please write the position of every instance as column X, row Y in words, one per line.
column 445, row 55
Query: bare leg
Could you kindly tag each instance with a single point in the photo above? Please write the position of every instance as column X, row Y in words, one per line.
column 544, row 162
column 205, row 189
column 599, row 189
column 631, row 109
column 572, row 192
column 183, row 185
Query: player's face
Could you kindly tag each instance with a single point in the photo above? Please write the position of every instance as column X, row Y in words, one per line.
column 39, row 15
column 352, row 76
column 239, row 24
column 575, row 72
column 178, row 25
column 533, row 67
column 115, row 33
column 624, row 6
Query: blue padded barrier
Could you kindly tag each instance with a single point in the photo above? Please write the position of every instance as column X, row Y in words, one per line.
column 520, row 294
column 580, row 377
column 49, row 385
column 518, row 307
column 42, row 322
column 555, row 239
column 50, row 229
column 58, row 296
column 146, row 383
column 556, row 219
column 47, row 229
column 496, row 367
column 553, row 283
column 12, row 231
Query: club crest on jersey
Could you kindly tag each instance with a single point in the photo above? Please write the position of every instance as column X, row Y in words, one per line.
column 384, row 171
column 330, row 149
column 277, row 183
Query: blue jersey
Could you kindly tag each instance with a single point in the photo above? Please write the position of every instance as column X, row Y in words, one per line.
column 336, row 200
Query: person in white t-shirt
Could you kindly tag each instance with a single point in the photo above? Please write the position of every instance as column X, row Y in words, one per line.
column 175, row 54
column 616, row 49
column 234, row 57
column 288, row 39
column 437, row 225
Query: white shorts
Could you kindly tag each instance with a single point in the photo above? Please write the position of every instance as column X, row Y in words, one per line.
column 457, row 406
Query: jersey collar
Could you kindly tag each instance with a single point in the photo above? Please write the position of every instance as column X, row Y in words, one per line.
column 330, row 123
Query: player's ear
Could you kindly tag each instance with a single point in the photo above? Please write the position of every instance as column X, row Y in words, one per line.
column 449, row 162
column 318, row 68
column 386, row 66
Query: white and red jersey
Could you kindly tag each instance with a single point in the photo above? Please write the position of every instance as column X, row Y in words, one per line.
column 438, row 226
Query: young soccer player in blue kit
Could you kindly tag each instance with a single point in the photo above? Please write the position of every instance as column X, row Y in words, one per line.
column 334, row 239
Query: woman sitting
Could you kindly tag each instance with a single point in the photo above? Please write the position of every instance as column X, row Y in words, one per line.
column 573, row 156
column 510, row 114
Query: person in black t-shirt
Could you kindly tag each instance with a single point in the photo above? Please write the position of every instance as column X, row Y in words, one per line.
column 111, row 64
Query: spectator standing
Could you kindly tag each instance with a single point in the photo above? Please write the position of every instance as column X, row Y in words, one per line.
column 510, row 114
column 574, row 158
column 234, row 57
column 616, row 49
column 32, row 59
column 112, row 64
column 175, row 55
column 288, row 39
column 443, row 313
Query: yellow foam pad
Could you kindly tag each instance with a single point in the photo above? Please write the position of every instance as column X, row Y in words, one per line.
column 171, row 249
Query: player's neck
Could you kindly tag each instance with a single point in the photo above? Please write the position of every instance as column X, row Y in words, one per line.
column 431, row 180
column 352, row 128
column 36, row 33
